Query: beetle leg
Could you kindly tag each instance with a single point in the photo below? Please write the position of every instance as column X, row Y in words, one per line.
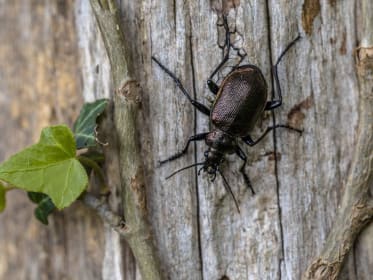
column 249, row 141
column 228, row 44
column 277, row 103
column 200, row 107
column 197, row 137
column 229, row 189
column 212, row 86
column 242, row 156
column 273, row 104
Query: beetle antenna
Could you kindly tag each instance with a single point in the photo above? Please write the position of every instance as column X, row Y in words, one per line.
column 184, row 168
column 228, row 188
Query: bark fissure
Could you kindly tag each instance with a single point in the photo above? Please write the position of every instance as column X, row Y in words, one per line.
column 200, row 253
column 274, row 139
column 194, row 89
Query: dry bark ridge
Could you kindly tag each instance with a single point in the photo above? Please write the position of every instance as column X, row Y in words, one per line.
column 356, row 209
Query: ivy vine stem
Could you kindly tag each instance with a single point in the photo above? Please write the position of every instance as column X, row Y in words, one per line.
column 126, row 104
column 85, row 161
column 103, row 210
column 6, row 186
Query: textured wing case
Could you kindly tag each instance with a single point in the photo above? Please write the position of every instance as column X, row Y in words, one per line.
column 240, row 101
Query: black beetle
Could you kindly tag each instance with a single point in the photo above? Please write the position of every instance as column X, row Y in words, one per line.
column 239, row 103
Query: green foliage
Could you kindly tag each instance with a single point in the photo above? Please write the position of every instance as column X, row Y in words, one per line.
column 2, row 198
column 84, row 127
column 50, row 171
column 36, row 197
column 48, row 167
column 44, row 209
column 45, row 206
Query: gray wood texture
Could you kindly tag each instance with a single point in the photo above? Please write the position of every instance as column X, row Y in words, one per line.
column 47, row 63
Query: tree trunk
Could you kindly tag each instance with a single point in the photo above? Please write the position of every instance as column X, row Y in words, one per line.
column 52, row 54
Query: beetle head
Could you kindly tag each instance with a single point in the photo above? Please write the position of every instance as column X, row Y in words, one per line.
column 213, row 159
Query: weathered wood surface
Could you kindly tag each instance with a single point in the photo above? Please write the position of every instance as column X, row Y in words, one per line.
column 279, row 229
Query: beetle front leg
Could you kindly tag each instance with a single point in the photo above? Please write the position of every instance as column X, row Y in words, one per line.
column 197, row 137
column 249, row 141
column 242, row 156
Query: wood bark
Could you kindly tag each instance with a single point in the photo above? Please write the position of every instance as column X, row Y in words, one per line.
column 49, row 62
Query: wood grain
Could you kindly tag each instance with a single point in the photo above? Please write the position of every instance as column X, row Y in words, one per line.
column 198, row 232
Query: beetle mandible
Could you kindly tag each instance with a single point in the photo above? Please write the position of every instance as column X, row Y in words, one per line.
column 239, row 103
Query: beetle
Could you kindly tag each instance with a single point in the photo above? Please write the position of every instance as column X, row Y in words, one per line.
column 240, row 101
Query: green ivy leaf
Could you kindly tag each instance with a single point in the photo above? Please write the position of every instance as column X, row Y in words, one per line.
column 36, row 197
column 45, row 206
column 2, row 198
column 84, row 127
column 44, row 209
column 49, row 167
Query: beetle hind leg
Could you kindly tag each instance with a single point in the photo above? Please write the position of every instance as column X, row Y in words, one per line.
column 227, row 44
column 210, row 83
column 277, row 103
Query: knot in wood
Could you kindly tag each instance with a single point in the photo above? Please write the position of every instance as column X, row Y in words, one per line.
column 223, row 7
column 138, row 189
column 364, row 59
column 130, row 91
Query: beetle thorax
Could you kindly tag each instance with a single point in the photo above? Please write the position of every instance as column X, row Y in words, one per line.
column 221, row 142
